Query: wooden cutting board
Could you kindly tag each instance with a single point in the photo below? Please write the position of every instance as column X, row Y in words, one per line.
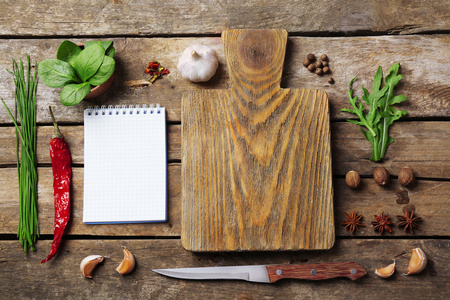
column 256, row 161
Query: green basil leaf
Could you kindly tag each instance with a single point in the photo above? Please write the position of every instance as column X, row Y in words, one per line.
column 111, row 51
column 73, row 93
column 89, row 61
column 104, row 72
column 56, row 73
column 104, row 44
column 67, row 52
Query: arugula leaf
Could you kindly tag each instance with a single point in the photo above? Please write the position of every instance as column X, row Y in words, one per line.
column 381, row 114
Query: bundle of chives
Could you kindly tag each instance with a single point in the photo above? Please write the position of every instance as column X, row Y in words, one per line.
column 25, row 112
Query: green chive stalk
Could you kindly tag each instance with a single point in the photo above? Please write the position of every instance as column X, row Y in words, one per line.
column 24, row 121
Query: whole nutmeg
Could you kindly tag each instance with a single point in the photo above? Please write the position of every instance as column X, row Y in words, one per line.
column 352, row 179
column 324, row 57
column 311, row 57
column 319, row 71
column 311, row 67
column 381, row 176
column 318, row 64
column 406, row 176
column 326, row 70
column 306, row 62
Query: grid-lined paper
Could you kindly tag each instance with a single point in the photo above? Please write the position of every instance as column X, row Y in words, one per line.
column 125, row 165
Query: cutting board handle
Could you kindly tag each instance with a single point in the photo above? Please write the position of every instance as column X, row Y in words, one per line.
column 250, row 53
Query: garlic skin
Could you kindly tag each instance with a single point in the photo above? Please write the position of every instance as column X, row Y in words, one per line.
column 418, row 261
column 127, row 264
column 386, row 271
column 198, row 63
column 89, row 263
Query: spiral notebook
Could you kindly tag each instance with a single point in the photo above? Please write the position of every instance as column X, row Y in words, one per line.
column 125, row 165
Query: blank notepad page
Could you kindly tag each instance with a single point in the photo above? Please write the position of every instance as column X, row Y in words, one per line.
column 125, row 165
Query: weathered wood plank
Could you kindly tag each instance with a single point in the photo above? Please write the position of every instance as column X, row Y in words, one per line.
column 420, row 145
column 126, row 17
column 429, row 197
column 426, row 82
column 25, row 278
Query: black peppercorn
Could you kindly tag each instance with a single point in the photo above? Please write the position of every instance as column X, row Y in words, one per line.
column 319, row 71
column 324, row 57
column 326, row 70
column 311, row 57
column 311, row 68
column 318, row 64
column 306, row 62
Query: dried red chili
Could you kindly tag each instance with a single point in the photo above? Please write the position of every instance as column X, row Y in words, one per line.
column 62, row 176
column 155, row 70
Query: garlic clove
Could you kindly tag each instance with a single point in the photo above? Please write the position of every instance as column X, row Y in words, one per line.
column 127, row 264
column 89, row 263
column 417, row 262
column 386, row 271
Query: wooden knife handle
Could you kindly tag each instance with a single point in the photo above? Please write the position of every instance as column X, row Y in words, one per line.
column 316, row 271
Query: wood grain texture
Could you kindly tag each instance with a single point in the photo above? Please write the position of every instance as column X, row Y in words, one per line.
column 430, row 199
column 176, row 17
column 23, row 277
column 256, row 172
column 414, row 141
column 426, row 80
column 318, row 271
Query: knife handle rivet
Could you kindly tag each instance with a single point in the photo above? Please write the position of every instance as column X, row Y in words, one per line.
column 353, row 271
column 279, row 272
column 313, row 271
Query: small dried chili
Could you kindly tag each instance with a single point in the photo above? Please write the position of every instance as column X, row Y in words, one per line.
column 155, row 70
column 62, row 176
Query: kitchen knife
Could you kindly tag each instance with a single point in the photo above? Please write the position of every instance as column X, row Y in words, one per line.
column 270, row 273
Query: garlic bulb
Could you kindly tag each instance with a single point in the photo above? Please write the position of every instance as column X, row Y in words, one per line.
column 198, row 63
column 127, row 264
column 89, row 263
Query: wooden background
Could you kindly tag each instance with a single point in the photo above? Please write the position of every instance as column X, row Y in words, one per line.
column 358, row 36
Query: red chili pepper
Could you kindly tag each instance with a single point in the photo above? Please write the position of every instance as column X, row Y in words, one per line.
column 62, row 176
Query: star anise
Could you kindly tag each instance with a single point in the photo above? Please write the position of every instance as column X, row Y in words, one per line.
column 409, row 221
column 353, row 221
column 382, row 223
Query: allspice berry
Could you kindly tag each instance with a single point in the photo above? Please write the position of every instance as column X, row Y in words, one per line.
column 319, row 71
column 324, row 57
column 381, row 176
column 406, row 176
column 318, row 64
column 311, row 57
column 331, row 80
column 326, row 70
column 325, row 63
column 352, row 179
column 306, row 62
column 311, row 68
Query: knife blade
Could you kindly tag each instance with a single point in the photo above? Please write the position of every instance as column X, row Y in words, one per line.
column 269, row 273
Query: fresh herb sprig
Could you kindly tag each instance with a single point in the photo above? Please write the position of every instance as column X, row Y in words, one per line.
column 25, row 113
column 381, row 113
column 77, row 70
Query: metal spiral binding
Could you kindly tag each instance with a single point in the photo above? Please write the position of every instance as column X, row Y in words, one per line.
column 123, row 109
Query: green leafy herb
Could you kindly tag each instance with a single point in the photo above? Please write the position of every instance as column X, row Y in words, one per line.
column 26, row 136
column 375, row 123
column 77, row 70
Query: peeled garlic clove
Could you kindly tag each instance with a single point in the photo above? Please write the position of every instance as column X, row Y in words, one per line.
column 386, row 271
column 198, row 63
column 418, row 261
column 89, row 263
column 127, row 264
